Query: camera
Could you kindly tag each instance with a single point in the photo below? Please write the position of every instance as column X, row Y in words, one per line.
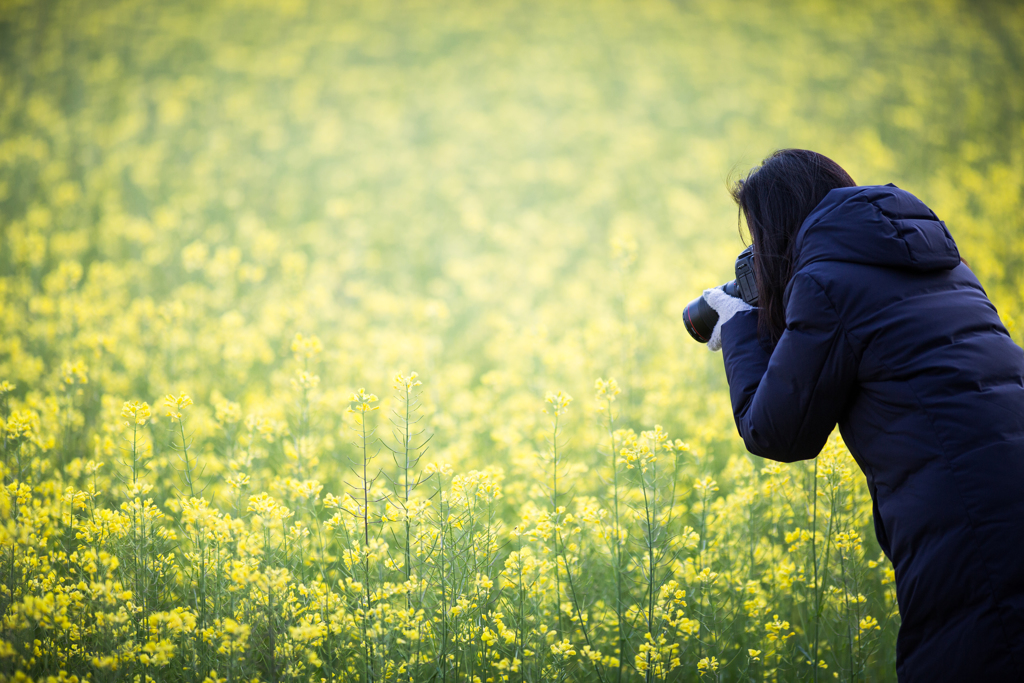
column 699, row 318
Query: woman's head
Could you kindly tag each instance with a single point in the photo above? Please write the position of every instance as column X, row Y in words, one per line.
column 775, row 198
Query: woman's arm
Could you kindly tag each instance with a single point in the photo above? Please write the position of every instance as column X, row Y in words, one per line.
column 786, row 403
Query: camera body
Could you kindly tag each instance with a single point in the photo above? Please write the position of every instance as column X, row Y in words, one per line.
column 745, row 284
column 699, row 318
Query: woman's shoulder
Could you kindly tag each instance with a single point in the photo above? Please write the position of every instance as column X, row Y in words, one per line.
column 878, row 225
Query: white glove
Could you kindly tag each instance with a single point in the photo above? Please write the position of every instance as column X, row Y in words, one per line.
column 726, row 306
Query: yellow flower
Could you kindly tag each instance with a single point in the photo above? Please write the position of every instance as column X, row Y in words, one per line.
column 869, row 623
column 21, row 424
column 74, row 373
column 403, row 383
column 706, row 485
column 265, row 506
column 308, row 490
column 173, row 405
column 605, row 390
column 361, row 402
column 227, row 412
column 442, row 468
column 306, row 347
column 562, row 648
column 707, row 664
column 707, row 577
column 306, row 380
column 775, row 630
column 558, row 402
column 135, row 412
column 238, row 482
column 638, row 455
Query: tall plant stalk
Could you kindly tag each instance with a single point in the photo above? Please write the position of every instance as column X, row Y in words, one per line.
column 362, row 403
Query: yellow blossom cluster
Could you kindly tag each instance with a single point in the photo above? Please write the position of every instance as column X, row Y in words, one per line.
column 284, row 206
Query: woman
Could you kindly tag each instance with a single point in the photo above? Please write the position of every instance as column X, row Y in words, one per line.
column 869, row 319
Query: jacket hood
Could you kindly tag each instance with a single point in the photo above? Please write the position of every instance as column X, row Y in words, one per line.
column 878, row 225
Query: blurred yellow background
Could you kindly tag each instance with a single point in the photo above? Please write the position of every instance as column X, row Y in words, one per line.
column 507, row 197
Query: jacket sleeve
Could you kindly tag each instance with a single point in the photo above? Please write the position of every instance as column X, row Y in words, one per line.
column 787, row 402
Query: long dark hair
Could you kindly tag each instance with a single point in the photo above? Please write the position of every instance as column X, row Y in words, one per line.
column 775, row 198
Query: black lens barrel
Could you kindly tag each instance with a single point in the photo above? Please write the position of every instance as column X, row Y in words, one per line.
column 699, row 319
column 698, row 316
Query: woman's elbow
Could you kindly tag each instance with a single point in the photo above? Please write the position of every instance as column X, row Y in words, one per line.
column 773, row 447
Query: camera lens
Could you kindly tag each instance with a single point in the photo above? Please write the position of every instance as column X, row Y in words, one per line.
column 732, row 288
column 699, row 319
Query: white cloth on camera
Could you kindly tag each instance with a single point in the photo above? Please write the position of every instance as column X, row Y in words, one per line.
column 726, row 306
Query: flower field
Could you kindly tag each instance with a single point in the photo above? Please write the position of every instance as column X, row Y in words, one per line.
column 341, row 341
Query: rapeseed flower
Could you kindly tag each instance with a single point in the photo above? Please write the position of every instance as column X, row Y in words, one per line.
column 216, row 211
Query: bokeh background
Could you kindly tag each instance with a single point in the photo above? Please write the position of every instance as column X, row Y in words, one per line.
column 508, row 197
column 457, row 187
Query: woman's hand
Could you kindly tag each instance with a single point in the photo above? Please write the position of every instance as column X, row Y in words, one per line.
column 726, row 306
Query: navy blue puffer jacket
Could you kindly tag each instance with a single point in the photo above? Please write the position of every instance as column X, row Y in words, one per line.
column 889, row 335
